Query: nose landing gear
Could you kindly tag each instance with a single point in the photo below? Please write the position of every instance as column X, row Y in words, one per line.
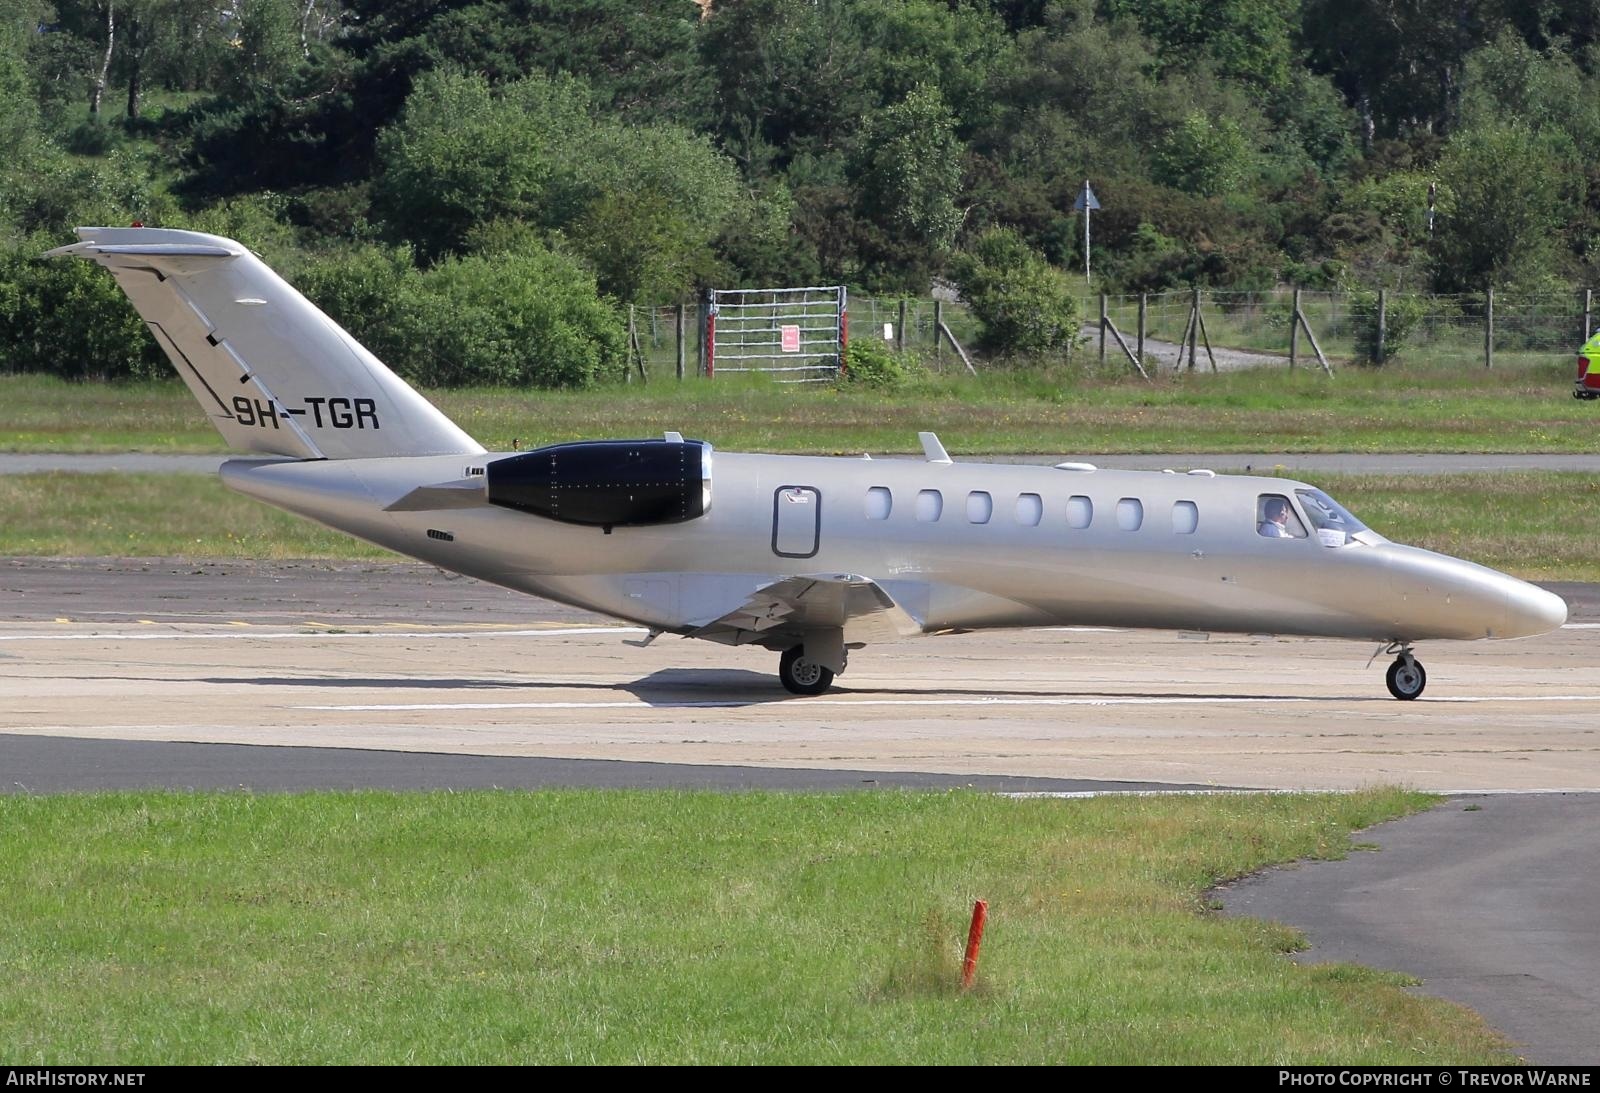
column 1406, row 677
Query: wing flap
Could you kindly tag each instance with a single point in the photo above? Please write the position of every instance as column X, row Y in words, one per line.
column 857, row 605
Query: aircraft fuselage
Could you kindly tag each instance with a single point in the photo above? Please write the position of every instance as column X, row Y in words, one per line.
column 958, row 545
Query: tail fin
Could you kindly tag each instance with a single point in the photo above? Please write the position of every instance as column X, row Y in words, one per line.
column 275, row 374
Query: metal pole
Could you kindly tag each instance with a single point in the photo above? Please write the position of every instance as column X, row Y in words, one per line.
column 1194, row 323
column 1588, row 307
column 938, row 324
column 1294, row 331
column 683, row 318
column 1144, row 303
column 1488, row 330
column 702, row 316
column 1086, row 242
column 1103, row 318
column 900, row 330
column 1383, row 324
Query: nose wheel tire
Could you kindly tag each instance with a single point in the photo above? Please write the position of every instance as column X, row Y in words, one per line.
column 801, row 676
column 1406, row 678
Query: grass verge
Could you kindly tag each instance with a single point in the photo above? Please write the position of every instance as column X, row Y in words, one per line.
column 1432, row 408
column 603, row 927
column 1537, row 525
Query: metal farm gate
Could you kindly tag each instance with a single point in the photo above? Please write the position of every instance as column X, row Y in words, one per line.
column 800, row 332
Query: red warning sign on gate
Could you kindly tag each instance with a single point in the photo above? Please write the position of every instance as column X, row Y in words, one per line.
column 791, row 339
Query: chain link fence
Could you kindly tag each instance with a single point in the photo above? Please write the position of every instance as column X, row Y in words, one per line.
column 1244, row 329
column 1249, row 329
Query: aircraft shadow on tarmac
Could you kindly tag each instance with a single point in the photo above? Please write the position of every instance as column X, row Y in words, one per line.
column 737, row 687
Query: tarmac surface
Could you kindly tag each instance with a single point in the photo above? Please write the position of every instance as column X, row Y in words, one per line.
column 127, row 673
column 400, row 658
column 1490, row 901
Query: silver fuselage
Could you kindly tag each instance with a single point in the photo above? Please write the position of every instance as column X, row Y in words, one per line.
column 1013, row 560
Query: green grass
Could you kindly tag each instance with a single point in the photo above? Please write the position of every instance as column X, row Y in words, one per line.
column 605, row 927
column 155, row 515
column 1537, row 525
column 1450, row 407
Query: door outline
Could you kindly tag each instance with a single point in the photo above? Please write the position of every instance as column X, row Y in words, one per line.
column 791, row 526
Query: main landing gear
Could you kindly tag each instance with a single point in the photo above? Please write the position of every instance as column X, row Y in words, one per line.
column 1406, row 677
column 801, row 676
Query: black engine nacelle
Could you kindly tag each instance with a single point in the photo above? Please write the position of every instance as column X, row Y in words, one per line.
column 607, row 483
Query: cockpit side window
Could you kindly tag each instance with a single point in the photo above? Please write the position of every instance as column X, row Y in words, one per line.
column 1276, row 519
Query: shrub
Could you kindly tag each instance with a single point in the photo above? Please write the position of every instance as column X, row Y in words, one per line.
column 531, row 319
column 69, row 319
column 869, row 362
column 1024, row 303
column 1402, row 315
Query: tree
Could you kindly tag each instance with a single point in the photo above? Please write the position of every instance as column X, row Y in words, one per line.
column 1505, row 192
column 910, row 173
column 1205, row 157
column 1248, row 40
column 788, row 79
column 642, row 203
column 464, row 154
column 1399, row 62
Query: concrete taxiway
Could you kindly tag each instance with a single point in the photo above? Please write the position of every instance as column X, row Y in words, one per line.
column 399, row 658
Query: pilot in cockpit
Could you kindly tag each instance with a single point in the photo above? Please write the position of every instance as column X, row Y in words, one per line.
column 1278, row 521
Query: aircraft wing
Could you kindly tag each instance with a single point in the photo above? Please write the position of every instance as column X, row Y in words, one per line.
column 859, row 606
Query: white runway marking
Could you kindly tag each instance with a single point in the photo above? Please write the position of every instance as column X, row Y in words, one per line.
column 1108, row 700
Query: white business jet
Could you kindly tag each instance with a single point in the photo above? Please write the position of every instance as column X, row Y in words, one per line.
column 811, row 557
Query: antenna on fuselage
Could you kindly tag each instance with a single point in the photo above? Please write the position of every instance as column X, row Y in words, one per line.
column 932, row 450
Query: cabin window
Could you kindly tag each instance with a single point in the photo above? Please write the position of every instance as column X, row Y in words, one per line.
column 1080, row 511
column 1276, row 519
column 1030, row 509
column 1130, row 513
column 879, row 502
column 980, row 506
column 1185, row 517
column 930, row 504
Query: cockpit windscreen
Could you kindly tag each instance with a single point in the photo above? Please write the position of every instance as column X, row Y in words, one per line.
column 1327, row 515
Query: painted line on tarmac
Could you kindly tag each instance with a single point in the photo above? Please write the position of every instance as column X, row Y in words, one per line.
column 1110, row 700
column 323, row 635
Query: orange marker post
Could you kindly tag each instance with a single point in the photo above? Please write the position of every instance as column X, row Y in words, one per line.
column 969, row 966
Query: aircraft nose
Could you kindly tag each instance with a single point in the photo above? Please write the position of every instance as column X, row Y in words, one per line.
column 1435, row 595
column 1531, row 610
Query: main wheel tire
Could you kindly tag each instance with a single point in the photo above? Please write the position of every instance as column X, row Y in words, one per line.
column 1406, row 679
column 801, row 676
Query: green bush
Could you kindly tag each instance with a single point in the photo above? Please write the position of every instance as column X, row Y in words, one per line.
column 69, row 319
column 1025, row 304
column 1402, row 315
column 524, row 318
column 869, row 362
